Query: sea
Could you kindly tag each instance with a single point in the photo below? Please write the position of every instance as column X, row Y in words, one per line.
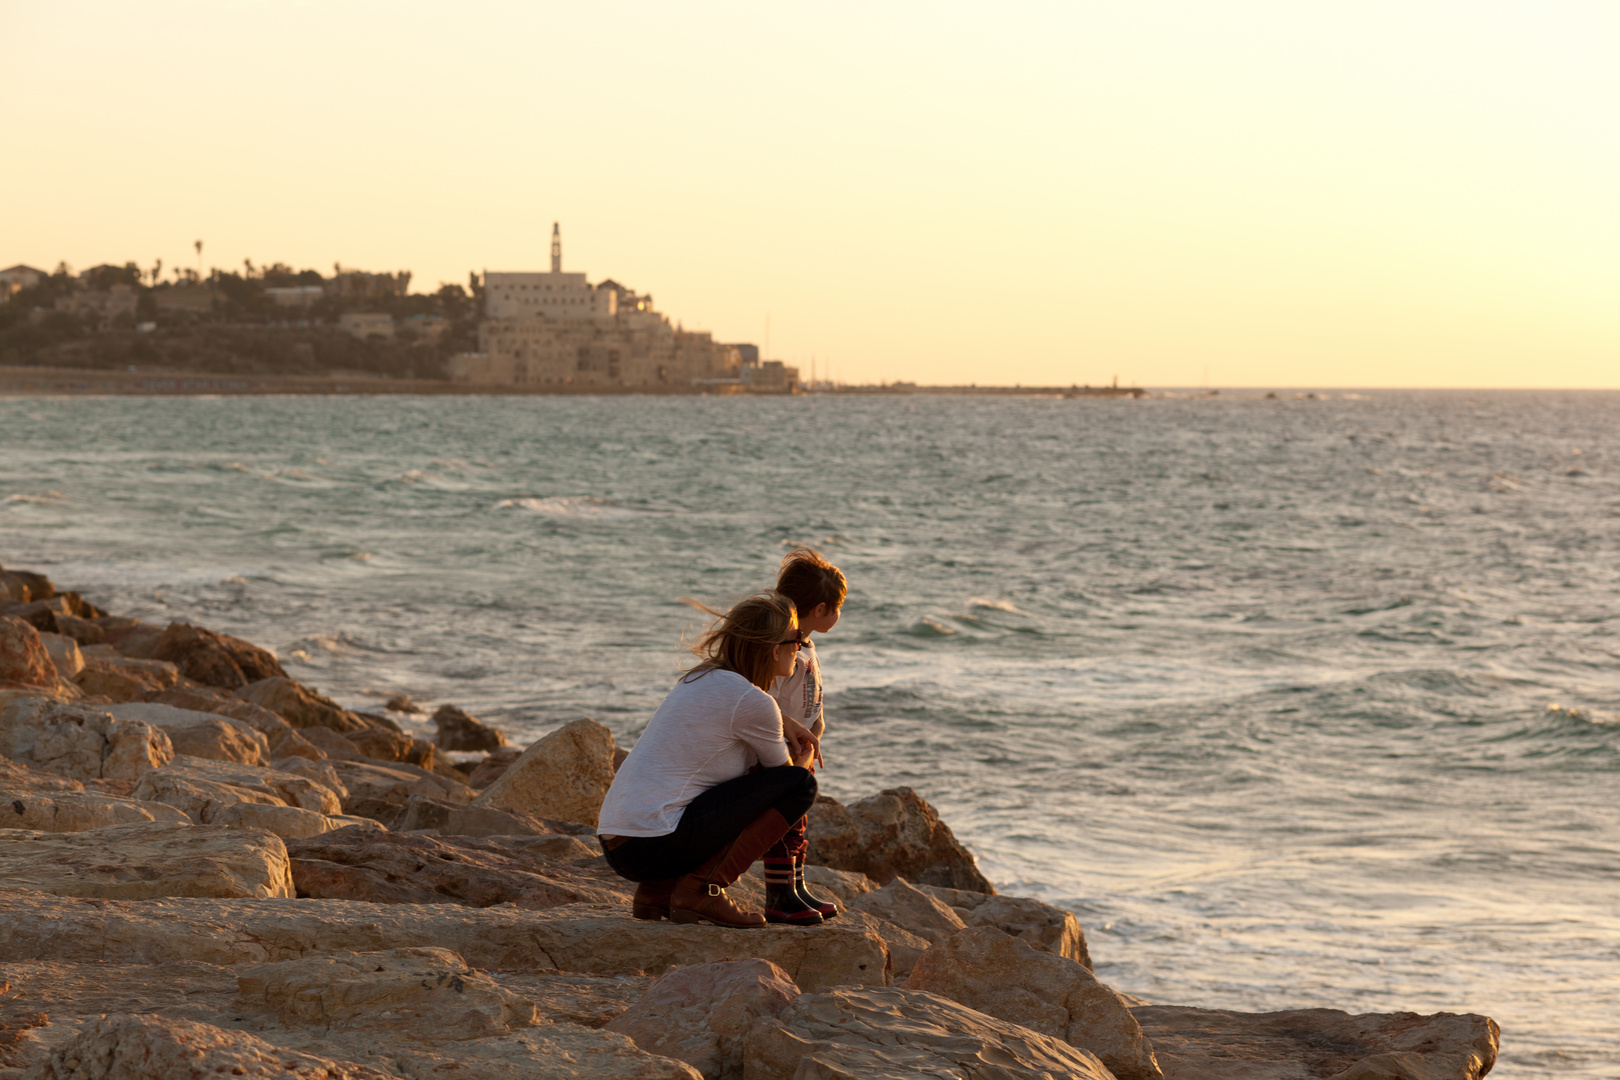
column 1305, row 700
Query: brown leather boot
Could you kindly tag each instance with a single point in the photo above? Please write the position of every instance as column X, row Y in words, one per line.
column 702, row 893
column 652, row 900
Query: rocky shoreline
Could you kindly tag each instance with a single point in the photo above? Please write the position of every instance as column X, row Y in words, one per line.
column 207, row 868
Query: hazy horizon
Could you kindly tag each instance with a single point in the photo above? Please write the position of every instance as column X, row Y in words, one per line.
column 1260, row 196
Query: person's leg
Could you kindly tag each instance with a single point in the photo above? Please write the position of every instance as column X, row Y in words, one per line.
column 709, row 826
column 781, row 795
column 783, row 903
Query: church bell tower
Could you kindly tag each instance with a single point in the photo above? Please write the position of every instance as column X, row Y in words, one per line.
column 556, row 248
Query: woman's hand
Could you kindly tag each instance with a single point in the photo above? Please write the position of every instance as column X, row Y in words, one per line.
column 804, row 749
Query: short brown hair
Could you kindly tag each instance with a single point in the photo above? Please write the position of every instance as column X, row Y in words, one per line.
column 810, row 580
column 744, row 639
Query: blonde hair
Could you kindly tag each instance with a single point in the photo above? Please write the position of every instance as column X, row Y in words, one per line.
column 744, row 639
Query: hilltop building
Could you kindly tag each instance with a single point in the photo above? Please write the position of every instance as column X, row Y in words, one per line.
column 556, row 329
column 15, row 279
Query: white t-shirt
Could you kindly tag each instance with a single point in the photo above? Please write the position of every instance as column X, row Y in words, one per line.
column 710, row 729
column 799, row 695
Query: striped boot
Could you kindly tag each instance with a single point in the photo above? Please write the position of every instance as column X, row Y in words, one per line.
column 825, row 908
column 783, row 904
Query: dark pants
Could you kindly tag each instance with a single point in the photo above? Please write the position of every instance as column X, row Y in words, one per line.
column 713, row 820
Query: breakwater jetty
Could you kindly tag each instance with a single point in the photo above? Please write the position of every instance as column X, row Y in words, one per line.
column 209, row 868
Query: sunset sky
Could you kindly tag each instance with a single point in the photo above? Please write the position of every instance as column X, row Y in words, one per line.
column 1375, row 193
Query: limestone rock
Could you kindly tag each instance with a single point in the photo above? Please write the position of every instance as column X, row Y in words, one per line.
column 905, row 905
column 282, row 738
column 565, row 775
column 1048, row 928
column 202, row 788
column 403, row 868
column 701, row 1014
column 1318, row 1044
column 214, row 659
column 41, row 613
column 121, row 678
column 23, row 657
column 1004, row 977
column 123, row 1047
column 64, row 653
column 66, row 811
column 905, row 948
column 581, row 939
column 320, row 771
column 130, row 637
column 78, row 741
column 200, row 734
column 493, row 767
column 422, row 813
column 287, row 822
column 17, row 777
column 876, row 1033
column 148, row 859
column 380, row 790
column 425, row 994
column 892, row 834
column 81, row 630
column 458, row 730
column 381, row 744
column 300, row 706
column 332, row 744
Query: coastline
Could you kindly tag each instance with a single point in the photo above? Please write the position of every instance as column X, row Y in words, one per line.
column 222, row 816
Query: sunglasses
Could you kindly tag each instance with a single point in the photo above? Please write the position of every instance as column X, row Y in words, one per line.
column 795, row 641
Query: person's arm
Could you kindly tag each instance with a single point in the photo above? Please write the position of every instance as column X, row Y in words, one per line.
column 801, row 740
column 757, row 721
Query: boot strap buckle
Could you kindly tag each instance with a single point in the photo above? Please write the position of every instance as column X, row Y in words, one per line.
column 716, row 890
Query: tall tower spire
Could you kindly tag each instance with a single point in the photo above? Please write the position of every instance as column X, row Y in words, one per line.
column 556, row 248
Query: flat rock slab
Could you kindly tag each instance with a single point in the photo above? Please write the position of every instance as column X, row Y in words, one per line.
column 146, row 860
column 400, row 868
column 580, row 939
column 890, row 1034
column 1318, row 1044
column 77, row 811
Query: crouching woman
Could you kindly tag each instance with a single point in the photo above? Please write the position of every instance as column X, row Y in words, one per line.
column 685, row 817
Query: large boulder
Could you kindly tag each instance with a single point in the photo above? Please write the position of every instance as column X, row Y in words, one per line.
column 282, row 738
column 906, row 906
column 493, row 766
column 148, row 859
column 203, row 788
column 425, row 995
column 78, row 741
column 581, row 938
column 892, row 834
column 380, row 790
column 565, row 775
column 427, row 814
column 1004, row 977
column 124, row 1047
column 24, row 660
column 65, row 655
column 701, row 1014
column 130, row 637
column 878, row 1033
column 69, row 812
column 200, row 734
column 459, row 730
column 1318, row 1044
column 383, row 744
column 299, row 705
column 112, row 675
column 214, row 659
column 287, row 822
column 401, row 868
column 19, row 777
column 1048, row 928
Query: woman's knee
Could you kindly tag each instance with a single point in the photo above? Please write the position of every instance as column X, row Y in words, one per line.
column 799, row 793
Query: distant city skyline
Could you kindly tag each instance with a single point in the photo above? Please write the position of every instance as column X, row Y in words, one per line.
column 1336, row 195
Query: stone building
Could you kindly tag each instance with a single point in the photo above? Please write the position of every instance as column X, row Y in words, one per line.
column 17, row 278
column 556, row 329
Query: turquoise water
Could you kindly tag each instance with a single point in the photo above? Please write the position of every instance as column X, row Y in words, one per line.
column 1263, row 690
